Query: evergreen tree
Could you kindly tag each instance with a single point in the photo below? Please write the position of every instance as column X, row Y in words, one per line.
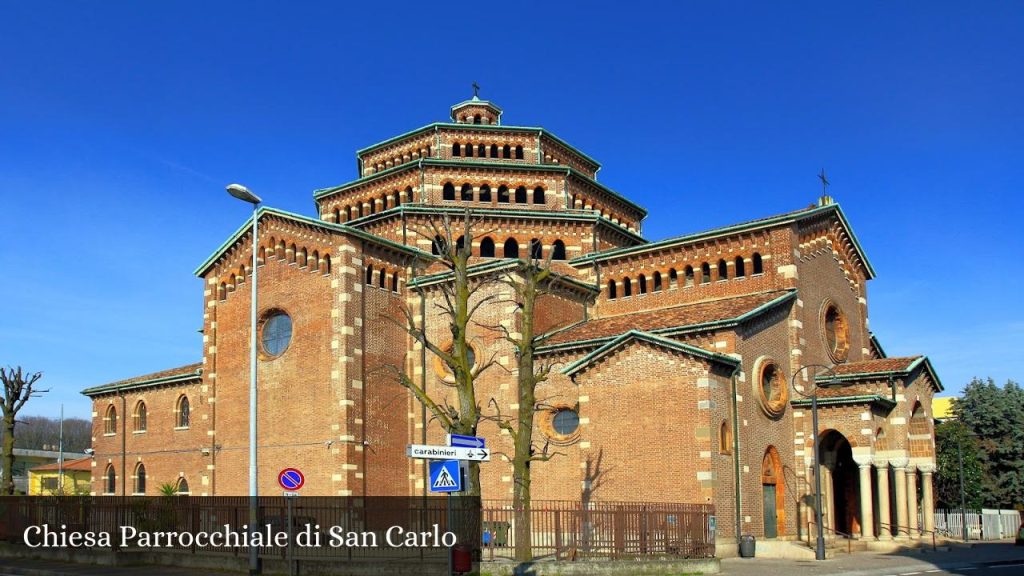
column 996, row 416
column 952, row 438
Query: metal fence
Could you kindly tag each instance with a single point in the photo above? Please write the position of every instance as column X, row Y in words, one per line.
column 571, row 530
column 985, row 524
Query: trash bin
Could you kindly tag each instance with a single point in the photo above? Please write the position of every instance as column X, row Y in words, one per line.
column 748, row 544
column 496, row 533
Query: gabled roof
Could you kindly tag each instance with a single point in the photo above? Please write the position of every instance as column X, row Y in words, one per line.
column 177, row 375
column 881, row 368
column 80, row 464
column 709, row 314
column 870, row 399
column 771, row 221
column 266, row 211
column 495, row 266
column 636, row 335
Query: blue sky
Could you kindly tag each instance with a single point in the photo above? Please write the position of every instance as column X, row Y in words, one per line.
column 121, row 122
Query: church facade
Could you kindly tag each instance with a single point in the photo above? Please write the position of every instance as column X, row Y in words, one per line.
column 681, row 370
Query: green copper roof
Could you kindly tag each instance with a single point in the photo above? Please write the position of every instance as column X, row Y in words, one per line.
column 922, row 361
column 477, row 127
column 729, row 230
column 136, row 384
column 845, row 400
column 672, row 331
column 653, row 339
column 329, row 226
column 512, row 166
column 474, row 101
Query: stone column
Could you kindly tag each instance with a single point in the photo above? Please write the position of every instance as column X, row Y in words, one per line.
column 912, row 502
column 927, row 502
column 900, row 466
column 883, row 500
column 867, row 523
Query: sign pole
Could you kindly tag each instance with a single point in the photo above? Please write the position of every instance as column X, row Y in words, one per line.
column 291, row 554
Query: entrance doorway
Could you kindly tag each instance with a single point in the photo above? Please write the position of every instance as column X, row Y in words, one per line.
column 773, row 488
column 843, row 482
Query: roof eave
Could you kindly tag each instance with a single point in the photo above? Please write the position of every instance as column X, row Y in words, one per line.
column 164, row 381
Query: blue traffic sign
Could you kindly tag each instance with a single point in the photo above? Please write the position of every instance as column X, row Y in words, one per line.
column 466, row 441
column 445, row 476
column 291, row 479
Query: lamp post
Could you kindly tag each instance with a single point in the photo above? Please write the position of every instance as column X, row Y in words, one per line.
column 243, row 193
column 819, row 548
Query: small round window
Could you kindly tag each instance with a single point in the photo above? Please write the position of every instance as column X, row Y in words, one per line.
column 441, row 367
column 275, row 333
column 772, row 385
column 561, row 425
column 836, row 331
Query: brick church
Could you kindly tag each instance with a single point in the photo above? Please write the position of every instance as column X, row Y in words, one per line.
column 682, row 368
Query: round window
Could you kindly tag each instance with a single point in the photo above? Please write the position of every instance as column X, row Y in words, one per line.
column 836, row 331
column 561, row 424
column 773, row 389
column 441, row 368
column 275, row 333
column 565, row 421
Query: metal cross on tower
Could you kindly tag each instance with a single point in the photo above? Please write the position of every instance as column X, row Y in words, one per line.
column 476, row 90
column 824, row 182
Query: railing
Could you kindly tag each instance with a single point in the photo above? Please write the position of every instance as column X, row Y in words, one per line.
column 910, row 531
column 572, row 530
column 849, row 537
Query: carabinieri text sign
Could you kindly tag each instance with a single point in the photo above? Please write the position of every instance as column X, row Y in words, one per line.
column 427, row 452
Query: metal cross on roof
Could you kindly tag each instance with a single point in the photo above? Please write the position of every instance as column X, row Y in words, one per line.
column 824, row 181
column 476, row 90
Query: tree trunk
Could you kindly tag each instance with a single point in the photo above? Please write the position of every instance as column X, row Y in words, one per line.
column 7, row 481
column 527, row 397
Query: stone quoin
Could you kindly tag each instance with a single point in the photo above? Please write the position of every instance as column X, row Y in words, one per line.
column 673, row 359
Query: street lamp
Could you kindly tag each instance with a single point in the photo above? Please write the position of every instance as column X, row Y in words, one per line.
column 819, row 549
column 243, row 193
column 963, row 496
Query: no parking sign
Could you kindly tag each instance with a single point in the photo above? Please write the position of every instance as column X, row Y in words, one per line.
column 291, row 479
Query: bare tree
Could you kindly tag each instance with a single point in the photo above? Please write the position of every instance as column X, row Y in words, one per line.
column 459, row 299
column 43, row 433
column 529, row 281
column 18, row 388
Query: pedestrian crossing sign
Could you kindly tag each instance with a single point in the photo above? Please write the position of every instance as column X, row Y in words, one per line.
column 445, row 476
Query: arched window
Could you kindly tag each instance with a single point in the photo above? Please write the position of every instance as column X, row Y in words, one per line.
column 725, row 438
column 536, row 250
column 521, row 195
column 460, row 244
column 506, row 151
column 476, row 119
column 467, row 192
column 502, row 194
column 487, row 248
column 705, row 273
column 394, row 282
column 558, row 250
column 301, row 257
column 519, row 152
column 642, row 284
column 758, row 265
column 741, row 270
column 337, row 214
column 325, row 264
column 511, row 248
column 438, row 246
column 723, row 270
column 110, row 420
column 181, row 487
column 538, row 195
column 222, row 291
column 627, row 287
column 611, row 290
column 673, row 278
column 110, row 486
column 140, row 478
column 481, row 149
column 449, row 191
column 314, row 260
column 657, row 282
column 469, row 150
column 456, row 149
column 485, row 193
column 688, row 273
column 369, row 274
column 139, row 417
column 396, row 199
column 182, row 412
column 382, row 279
column 494, row 150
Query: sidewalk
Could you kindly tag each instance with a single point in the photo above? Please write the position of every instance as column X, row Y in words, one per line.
column 22, row 567
column 871, row 563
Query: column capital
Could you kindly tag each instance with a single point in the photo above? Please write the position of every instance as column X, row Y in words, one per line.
column 881, row 462
column 863, row 460
column 926, row 467
column 899, row 462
